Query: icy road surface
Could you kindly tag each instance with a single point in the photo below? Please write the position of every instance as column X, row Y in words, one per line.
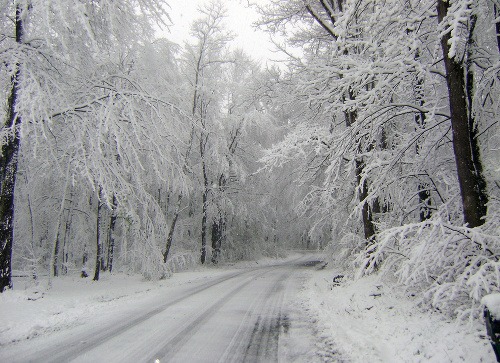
column 247, row 315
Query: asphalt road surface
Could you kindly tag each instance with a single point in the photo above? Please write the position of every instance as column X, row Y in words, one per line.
column 248, row 315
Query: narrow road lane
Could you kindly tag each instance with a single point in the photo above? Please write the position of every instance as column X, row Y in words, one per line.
column 240, row 317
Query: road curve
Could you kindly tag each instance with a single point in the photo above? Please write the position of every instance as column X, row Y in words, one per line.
column 240, row 317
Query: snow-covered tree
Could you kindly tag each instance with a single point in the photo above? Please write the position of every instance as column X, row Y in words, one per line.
column 389, row 146
column 75, row 96
column 205, row 60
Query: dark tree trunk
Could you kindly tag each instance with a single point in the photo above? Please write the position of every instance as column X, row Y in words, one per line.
column 218, row 231
column 98, row 260
column 67, row 230
column 177, row 211
column 55, row 270
column 170, row 236
column 203, row 143
column 219, row 226
column 8, row 169
column 215, row 238
column 368, row 226
column 465, row 144
column 204, row 217
column 366, row 215
column 350, row 117
column 85, row 258
column 424, row 194
column 111, row 235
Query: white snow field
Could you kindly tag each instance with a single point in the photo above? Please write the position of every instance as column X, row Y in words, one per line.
column 265, row 311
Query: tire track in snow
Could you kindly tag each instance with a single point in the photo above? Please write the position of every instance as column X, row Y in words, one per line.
column 264, row 340
column 260, row 343
column 175, row 343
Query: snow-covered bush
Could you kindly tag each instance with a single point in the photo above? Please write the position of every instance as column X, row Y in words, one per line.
column 451, row 267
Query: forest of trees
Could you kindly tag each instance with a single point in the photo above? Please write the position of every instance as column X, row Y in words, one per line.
column 377, row 139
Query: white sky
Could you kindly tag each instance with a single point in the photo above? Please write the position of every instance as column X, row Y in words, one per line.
column 240, row 17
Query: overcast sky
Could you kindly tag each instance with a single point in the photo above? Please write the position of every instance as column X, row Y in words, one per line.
column 240, row 18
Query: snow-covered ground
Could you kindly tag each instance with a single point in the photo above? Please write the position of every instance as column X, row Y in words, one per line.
column 357, row 321
column 26, row 313
column 368, row 320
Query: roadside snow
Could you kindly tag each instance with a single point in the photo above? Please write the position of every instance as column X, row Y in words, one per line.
column 367, row 320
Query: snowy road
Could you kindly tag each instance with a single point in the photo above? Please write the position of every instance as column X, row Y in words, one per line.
column 243, row 316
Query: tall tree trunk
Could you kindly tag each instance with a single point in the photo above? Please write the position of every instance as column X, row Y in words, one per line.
column 350, row 119
column 170, row 236
column 8, row 168
column 67, row 230
column 219, row 226
column 368, row 226
column 203, row 256
column 85, row 258
column 111, row 235
column 465, row 144
column 57, row 238
column 218, row 231
column 98, row 258
column 424, row 194
column 177, row 211
column 366, row 215
column 34, row 257
column 55, row 253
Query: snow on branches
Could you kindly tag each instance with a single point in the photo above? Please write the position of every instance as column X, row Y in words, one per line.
column 373, row 135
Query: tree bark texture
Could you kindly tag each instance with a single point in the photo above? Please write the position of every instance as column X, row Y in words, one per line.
column 424, row 194
column 204, row 216
column 368, row 226
column 98, row 258
column 177, row 211
column 111, row 235
column 170, row 236
column 218, row 230
column 8, row 169
column 67, row 230
column 465, row 144
column 219, row 226
column 203, row 256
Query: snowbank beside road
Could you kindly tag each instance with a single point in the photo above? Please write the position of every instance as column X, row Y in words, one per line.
column 368, row 320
